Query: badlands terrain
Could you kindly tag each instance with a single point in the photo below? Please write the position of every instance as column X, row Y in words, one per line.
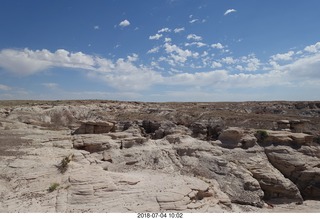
column 109, row 156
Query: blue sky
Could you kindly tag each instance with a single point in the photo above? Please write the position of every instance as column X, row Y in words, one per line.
column 160, row 50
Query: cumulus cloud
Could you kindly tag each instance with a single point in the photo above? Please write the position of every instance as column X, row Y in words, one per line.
column 155, row 37
column 24, row 62
column 305, row 67
column 126, row 74
column 198, row 44
column 124, row 23
column 194, row 37
column 178, row 30
column 228, row 60
column 313, row 48
column 121, row 74
column 216, row 64
column 163, row 30
column 252, row 63
column 134, row 57
column 167, row 40
column 217, row 46
column 177, row 54
column 284, row 56
column 153, row 50
column 229, row 11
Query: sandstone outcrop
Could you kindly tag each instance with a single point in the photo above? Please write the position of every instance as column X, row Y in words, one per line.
column 285, row 138
column 109, row 156
column 95, row 127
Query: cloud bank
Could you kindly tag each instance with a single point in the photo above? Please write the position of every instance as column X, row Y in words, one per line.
column 292, row 69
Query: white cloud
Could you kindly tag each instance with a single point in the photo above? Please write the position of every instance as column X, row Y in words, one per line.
column 134, row 57
column 228, row 60
column 163, row 30
column 96, row 27
column 153, row 50
column 252, row 63
column 194, row 37
column 229, row 11
column 284, row 56
column 193, row 21
column 178, row 30
column 24, row 62
column 305, row 67
column 122, row 74
column 177, row 54
column 126, row 74
column 155, row 37
column 4, row 87
column 217, row 46
column 313, row 48
column 216, row 64
column 124, row 23
column 198, row 44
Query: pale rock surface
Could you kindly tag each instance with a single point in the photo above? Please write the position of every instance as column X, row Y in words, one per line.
column 144, row 157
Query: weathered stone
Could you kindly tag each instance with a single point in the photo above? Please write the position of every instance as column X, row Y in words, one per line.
column 297, row 125
column 106, row 156
column 95, row 127
column 286, row 138
column 175, row 167
column 231, row 137
column 283, row 125
column 92, row 143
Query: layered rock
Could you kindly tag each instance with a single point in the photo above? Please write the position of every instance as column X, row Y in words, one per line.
column 301, row 169
column 95, row 127
column 155, row 159
column 237, row 137
column 284, row 138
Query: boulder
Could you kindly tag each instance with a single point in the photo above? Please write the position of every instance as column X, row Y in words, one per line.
column 237, row 137
column 92, row 143
column 285, row 138
column 231, row 137
column 95, row 127
column 271, row 180
column 301, row 169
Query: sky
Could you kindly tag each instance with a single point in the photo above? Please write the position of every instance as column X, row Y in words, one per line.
column 160, row 50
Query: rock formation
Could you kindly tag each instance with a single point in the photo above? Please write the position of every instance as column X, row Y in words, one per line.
column 106, row 156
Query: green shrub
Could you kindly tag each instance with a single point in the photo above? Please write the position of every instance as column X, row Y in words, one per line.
column 53, row 187
column 63, row 165
column 261, row 135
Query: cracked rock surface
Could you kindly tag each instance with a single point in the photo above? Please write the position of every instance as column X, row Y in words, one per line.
column 107, row 156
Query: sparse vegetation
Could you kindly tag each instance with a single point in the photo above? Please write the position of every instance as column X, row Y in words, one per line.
column 261, row 135
column 63, row 165
column 53, row 187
